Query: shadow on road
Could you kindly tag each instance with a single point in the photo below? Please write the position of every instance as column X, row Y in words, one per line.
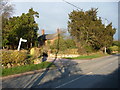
column 63, row 69
column 65, row 81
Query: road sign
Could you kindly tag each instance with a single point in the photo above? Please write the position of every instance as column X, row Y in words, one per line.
column 21, row 40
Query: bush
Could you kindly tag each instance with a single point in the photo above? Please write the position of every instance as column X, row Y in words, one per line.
column 114, row 48
column 35, row 52
column 109, row 50
column 13, row 57
column 6, row 57
column 81, row 50
column 88, row 49
column 71, row 51
column 116, row 43
column 85, row 50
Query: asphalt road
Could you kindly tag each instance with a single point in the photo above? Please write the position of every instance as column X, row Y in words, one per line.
column 97, row 73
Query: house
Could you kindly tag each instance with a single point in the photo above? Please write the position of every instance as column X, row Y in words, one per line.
column 48, row 37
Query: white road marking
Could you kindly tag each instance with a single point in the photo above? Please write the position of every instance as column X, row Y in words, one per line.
column 73, row 80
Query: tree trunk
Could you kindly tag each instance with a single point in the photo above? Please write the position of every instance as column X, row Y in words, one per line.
column 31, row 45
column 27, row 46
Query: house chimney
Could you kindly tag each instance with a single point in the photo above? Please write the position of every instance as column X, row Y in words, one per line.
column 43, row 31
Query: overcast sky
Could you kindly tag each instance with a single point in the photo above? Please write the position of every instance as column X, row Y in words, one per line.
column 54, row 15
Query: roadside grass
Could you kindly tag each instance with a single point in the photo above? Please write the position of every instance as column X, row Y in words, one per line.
column 25, row 68
column 97, row 55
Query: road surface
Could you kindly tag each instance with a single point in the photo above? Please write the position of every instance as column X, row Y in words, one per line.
column 97, row 73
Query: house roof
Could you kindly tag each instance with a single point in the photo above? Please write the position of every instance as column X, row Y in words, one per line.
column 51, row 36
column 48, row 36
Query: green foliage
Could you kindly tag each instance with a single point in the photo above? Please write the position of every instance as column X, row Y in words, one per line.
column 88, row 49
column 61, row 44
column 48, row 42
column 88, row 31
column 70, row 43
column 112, row 49
column 116, row 43
column 64, row 44
column 25, row 68
column 35, row 52
column 13, row 57
column 23, row 26
column 70, row 51
column 109, row 50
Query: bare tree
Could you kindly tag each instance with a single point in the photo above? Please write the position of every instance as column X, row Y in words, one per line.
column 6, row 9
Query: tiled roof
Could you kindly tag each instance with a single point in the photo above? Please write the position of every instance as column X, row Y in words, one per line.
column 49, row 36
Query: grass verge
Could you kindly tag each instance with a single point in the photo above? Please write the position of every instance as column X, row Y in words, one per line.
column 97, row 55
column 25, row 68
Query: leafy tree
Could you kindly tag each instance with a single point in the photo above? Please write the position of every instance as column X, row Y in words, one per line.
column 23, row 26
column 88, row 31
column 108, row 33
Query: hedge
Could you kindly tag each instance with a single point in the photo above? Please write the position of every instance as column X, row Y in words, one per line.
column 13, row 57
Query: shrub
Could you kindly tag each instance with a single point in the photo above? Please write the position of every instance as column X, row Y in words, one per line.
column 13, row 57
column 19, row 57
column 114, row 48
column 116, row 43
column 35, row 52
column 81, row 50
column 109, row 50
column 88, row 49
column 6, row 57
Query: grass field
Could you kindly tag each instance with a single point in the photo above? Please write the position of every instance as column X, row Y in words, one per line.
column 25, row 68
column 97, row 55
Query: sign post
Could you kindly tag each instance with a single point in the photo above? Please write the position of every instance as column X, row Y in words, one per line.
column 21, row 40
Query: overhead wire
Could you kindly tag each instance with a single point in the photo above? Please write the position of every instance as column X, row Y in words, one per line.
column 72, row 5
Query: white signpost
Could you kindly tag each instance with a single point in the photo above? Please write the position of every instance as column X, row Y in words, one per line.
column 21, row 40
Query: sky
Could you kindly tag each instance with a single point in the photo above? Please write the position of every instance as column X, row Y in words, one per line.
column 54, row 15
